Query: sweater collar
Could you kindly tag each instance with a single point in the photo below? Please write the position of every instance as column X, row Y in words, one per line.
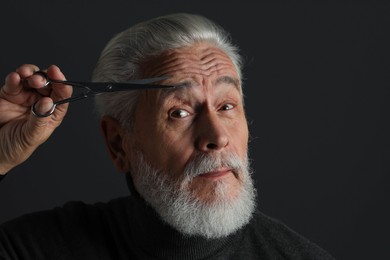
column 157, row 239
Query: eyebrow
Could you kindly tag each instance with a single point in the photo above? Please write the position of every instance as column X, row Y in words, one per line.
column 229, row 80
column 187, row 83
column 176, row 87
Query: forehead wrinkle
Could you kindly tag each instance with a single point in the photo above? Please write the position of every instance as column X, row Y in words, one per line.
column 192, row 66
column 152, row 67
column 206, row 67
column 163, row 63
column 205, row 60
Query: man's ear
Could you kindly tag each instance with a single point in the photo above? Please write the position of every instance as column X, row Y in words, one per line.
column 117, row 142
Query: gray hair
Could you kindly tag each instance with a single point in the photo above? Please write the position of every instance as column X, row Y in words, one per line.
column 121, row 58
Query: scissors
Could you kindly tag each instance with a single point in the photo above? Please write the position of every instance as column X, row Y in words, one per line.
column 92, row 89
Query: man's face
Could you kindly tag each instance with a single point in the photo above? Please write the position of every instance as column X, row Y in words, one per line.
column 203, row 115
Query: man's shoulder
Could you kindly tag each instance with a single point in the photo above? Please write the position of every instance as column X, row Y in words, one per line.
column 74, row 210
column 279, row 240
column 74, row 225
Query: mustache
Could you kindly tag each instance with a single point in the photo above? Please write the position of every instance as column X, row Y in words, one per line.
column 204, row 163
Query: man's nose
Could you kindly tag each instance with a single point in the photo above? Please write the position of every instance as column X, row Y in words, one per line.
column 212, row 133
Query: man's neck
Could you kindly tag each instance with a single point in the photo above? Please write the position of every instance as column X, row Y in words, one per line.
column 156, row 238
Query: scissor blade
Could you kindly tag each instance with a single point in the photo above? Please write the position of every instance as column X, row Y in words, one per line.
column 146, row 80
column 133, row 86
column 128, row 85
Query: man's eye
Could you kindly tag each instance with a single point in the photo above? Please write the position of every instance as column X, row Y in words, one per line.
column 227, row 107
column 180, row 113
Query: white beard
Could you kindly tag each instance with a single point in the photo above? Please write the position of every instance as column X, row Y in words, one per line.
column 178, row 207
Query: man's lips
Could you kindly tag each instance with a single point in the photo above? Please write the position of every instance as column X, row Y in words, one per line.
column 216, row 174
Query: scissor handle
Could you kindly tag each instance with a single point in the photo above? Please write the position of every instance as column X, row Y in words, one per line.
column 48, row 113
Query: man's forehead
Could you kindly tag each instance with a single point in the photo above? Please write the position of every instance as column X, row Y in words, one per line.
column 200, row 58
column 200, row 64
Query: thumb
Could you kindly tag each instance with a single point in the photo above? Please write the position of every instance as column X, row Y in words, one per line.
column 38, row 125
column 43, row 107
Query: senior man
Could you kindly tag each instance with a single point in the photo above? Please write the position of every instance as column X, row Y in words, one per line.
column 184, row 152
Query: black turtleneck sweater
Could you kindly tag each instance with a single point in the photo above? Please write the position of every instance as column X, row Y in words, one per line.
column 126, row 228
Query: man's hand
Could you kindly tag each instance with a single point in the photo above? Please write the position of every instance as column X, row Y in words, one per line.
column 20, row 131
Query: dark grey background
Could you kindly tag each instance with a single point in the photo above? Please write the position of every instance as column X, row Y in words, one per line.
column 317, row 89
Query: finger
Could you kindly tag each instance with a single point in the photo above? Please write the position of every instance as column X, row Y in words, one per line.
column 38, row 81
column 38, row 129
column 54, row 72
column 12, row 86
column 59, row 91
column 35, row 81
column 14, row 92
column 14, row 80
column 27, row 70
column 43, row 106
column 31, row 80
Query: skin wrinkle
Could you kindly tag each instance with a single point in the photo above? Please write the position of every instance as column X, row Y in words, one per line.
column 12, row 113
column 181, row 65
column 24, row 133
column 208, row 61
column 169, row 142
column 186, row 155
column 19, row 147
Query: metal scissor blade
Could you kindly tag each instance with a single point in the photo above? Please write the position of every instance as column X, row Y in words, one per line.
column 146, row 80
column 133, row 86
column 101, row 87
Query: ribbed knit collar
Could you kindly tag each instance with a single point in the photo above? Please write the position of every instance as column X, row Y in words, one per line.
column 157, row 239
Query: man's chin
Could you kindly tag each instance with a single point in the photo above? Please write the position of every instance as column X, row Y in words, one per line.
column 214, row 189
column 210, row 207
